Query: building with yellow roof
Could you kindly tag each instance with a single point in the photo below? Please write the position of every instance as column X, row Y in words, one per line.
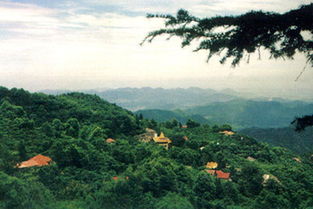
column 227, row 133
column 211, row 165
column 162, row 140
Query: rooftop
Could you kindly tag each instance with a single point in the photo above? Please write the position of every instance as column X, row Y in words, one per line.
column 109, row 140
column 38, row 160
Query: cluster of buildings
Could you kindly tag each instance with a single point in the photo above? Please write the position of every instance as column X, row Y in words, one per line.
column 211, row 169
column 150, row 135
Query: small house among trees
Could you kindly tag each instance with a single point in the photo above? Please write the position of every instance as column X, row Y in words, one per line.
column 211, row 165
column 219, row 174
column 38, row 160
column 110, row 140
column 227, row 133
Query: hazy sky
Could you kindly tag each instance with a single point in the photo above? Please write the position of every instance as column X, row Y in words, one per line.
column 84, row 44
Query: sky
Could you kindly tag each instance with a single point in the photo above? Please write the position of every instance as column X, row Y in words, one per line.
column 88, row 44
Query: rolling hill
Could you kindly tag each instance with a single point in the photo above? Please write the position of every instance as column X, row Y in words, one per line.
column 238, row 113
column 88, row 171
column 300, row 142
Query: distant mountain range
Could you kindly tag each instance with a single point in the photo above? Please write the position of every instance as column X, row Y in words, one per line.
column 238, row 113
column 204, row 106
column 242, row 113
column 167, row 99
column 159, row 98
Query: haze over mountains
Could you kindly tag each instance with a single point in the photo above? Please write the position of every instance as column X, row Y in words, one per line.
column 177, row 98
column 158, row 98
column 247, row 113
column 239, row 113
column 241, row 110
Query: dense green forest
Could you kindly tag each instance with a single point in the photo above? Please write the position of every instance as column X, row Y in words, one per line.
column 88, row 172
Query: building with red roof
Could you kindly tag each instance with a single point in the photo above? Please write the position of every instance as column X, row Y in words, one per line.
column 218, row 174
column 38, row 160
column 115, row 178
column 110, row 140
column 221, row 175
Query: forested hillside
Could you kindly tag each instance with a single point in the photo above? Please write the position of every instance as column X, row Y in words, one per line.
column 300, row 142
column 98, row 160
column 166, row 115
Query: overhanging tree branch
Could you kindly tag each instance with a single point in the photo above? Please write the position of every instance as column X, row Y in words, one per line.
column 303, row 122
column 280, row 34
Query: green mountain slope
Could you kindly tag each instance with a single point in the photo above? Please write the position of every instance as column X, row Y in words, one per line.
column 166, row 115
column 31, row 120
column 89, row 172
column 300, row 142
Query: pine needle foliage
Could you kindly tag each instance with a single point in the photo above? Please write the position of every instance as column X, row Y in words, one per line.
column 236, row 37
